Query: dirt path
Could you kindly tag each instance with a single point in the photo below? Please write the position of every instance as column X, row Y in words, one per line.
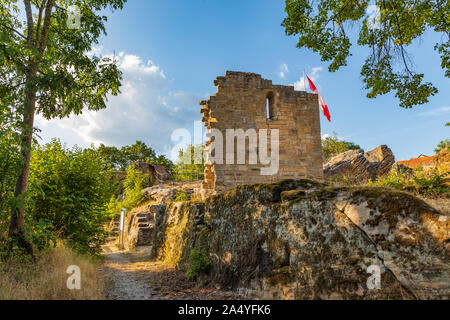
column 134, row 276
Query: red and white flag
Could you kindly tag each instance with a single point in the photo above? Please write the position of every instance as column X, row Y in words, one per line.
column 324, row 106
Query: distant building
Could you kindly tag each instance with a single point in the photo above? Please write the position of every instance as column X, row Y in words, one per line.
column 421, row 161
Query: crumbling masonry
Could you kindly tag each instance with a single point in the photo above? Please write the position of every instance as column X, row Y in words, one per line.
column 247, row 101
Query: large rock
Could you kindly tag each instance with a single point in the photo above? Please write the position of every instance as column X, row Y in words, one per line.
column 297, row 239
column 169, row 193
column 157, row 172
column 359, row 166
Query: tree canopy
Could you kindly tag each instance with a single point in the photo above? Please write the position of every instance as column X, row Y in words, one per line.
column 121, row 159
column 54, row 58
column 46, row 68
column 323, row 26
column 444, row 144
column 190, row 165
column 332, row 146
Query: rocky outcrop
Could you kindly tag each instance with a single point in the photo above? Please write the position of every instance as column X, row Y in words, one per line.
column 169, row 193
column 298, row 239
column 157, row 172
column 358, row 166
column 160, row 194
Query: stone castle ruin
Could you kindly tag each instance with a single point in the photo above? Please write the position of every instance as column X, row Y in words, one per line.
column 281, row 129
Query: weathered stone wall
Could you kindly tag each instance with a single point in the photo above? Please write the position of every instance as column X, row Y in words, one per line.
column 240, row 103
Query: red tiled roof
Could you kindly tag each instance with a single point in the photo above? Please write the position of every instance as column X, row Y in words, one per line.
column 417, row 161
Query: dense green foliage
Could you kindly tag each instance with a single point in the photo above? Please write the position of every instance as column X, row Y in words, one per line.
column 180, row 196
column 190, row 165
column 45, row 69
column 323, row 26
column 418, row 181
column 444, row 144
column 70, row 194
column 10, row 164
column 199, row 262
column 69, row 190
column 132, row 195
column 121, row 159
column 332, row 146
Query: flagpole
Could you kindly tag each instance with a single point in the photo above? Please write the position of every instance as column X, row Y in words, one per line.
column 304, row 79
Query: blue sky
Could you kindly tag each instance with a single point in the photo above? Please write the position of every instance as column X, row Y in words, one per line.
column 171, row 51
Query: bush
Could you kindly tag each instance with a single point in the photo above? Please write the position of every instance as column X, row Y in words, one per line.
column 199, row 264
column 419, row 181
column 190, row 165
column 180, row 196
column 121, row 159
column 443, row 145
column 332, row 146
column 69, row 190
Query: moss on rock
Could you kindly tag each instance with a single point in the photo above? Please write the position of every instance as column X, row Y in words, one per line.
column 303, row 240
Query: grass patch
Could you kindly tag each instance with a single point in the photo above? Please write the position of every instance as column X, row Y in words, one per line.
column 425, row 183
column 45, row 278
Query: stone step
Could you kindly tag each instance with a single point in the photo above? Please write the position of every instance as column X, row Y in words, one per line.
column 142, row 215
column 147, row 228
column 143, row 225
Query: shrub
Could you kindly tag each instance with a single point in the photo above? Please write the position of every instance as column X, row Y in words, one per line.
column 132, row 196
column 121, row 159
column 180, row 196
column 190, row 165
column 443, row 145
column 68, row 193
column 332, row 146
column 419, row 181
column 199, row 264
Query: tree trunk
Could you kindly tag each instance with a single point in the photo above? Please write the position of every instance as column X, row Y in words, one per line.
column 18, row 214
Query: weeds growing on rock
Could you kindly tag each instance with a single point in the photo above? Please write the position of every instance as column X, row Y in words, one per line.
column 180, row 196
column 427, row 183
column 199, row 264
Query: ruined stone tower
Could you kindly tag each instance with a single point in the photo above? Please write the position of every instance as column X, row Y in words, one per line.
column 247, row 101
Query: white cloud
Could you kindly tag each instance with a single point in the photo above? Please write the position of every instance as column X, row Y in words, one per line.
column 143, row 111
column 327, row 135
column 95, row 51
column 435, row 112
column 282, row 70
column 313, row 75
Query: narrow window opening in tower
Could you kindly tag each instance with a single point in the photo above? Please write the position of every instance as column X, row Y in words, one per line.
column 270, row 106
